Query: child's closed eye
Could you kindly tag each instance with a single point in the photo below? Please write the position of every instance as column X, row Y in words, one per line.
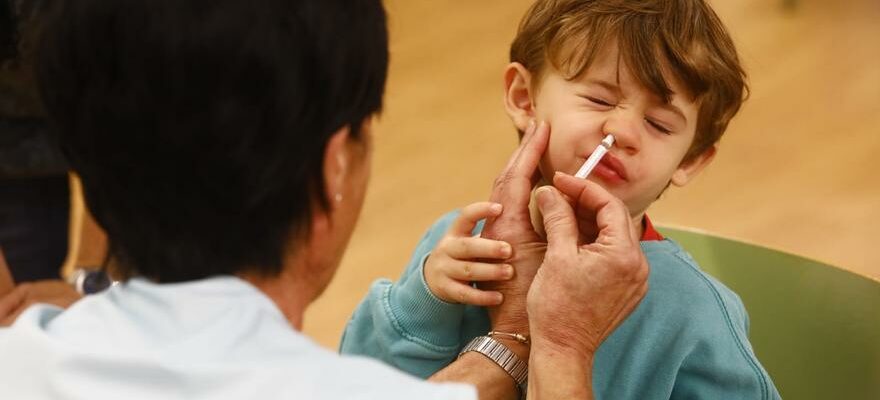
column 599, row 101
column 656, row 125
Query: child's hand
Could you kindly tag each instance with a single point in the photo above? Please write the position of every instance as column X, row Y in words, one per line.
column 460, row 259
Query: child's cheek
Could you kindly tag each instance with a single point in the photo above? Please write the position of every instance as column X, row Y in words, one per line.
column 561, row 150
column 554, row 159
column 546, row 169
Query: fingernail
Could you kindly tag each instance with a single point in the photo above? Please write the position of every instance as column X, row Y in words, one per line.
column 544, row 196
column 506, row 250
column 559, row 174
column 508, row 272
column 531, row 125
column 499, row 298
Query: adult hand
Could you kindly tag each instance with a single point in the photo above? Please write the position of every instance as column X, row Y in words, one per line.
column 583, row 291
column 54, row 292
column 512, row 189
column 6, row 283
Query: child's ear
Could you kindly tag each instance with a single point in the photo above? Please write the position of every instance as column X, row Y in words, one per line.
column 518, row 95
column 687, row 171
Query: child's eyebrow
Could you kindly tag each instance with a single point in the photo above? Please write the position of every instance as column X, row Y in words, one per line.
column 675, row 110
column 613, row 87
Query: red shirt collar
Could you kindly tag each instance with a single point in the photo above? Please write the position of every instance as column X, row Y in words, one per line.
column 648, row 231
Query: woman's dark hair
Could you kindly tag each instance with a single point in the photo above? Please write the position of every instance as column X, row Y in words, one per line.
column 7, row 31
column 198, row 127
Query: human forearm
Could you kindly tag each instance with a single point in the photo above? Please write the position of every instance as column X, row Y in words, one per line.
column 491, row 381
column 402, row 323
column 382, row 328
column 556, row 373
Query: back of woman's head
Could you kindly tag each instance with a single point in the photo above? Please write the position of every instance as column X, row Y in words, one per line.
column 198, row 127
column 20, row 24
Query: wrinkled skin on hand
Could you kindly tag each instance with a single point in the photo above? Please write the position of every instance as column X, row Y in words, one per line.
column 583, row 291
column 513, row 189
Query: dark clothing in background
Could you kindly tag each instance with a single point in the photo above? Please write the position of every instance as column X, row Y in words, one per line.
column 34, row 192
column 26, row 150
column 34, row 201
column 34, row 219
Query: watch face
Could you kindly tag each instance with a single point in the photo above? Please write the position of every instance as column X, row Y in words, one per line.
column 95, row 281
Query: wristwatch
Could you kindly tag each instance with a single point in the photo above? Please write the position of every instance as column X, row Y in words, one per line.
column 90, row 280
column 501, row 355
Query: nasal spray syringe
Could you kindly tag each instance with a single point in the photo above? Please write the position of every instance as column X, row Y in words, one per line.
column 594, row 158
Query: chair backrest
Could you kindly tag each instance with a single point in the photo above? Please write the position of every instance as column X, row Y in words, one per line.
column 815, row 327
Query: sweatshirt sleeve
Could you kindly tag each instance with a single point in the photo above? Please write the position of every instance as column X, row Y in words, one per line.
column 403, row 324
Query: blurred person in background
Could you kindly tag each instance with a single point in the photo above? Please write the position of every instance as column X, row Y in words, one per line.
column 34, row 189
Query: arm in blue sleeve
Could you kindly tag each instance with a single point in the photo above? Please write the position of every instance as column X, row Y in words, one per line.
column 403, row 324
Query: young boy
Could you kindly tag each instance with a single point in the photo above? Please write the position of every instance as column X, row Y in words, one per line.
column 663, row 78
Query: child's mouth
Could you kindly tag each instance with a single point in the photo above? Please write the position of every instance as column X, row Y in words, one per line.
column 611, row 170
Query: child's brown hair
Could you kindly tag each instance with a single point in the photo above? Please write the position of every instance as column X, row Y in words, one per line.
column 684, row 37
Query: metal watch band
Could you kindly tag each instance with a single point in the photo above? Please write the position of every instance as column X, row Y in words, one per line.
column 501, row 355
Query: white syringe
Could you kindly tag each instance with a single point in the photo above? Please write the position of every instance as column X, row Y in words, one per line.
column 594, row 158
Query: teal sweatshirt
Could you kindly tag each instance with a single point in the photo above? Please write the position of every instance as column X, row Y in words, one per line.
column 687, row 339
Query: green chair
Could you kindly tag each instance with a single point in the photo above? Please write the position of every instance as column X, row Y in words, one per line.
column 815, row 327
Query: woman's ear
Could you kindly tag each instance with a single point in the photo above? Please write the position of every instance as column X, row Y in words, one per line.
column 687, row 171
column 518, row 95
column 336, row 165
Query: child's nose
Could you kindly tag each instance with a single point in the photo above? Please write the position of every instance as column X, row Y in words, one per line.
column 627, row 132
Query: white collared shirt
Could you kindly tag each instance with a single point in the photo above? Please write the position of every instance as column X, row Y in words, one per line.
column 217, row 338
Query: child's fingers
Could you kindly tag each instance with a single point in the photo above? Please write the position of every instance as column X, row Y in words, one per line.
column 473, row 213
column 466, row 294
column 468, row 271
column 476, row 247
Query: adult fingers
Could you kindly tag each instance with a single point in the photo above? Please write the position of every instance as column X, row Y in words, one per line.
column 526, row 164
column 530, row 131
column 515, row 181
column 612, row 216
column 559, row 221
